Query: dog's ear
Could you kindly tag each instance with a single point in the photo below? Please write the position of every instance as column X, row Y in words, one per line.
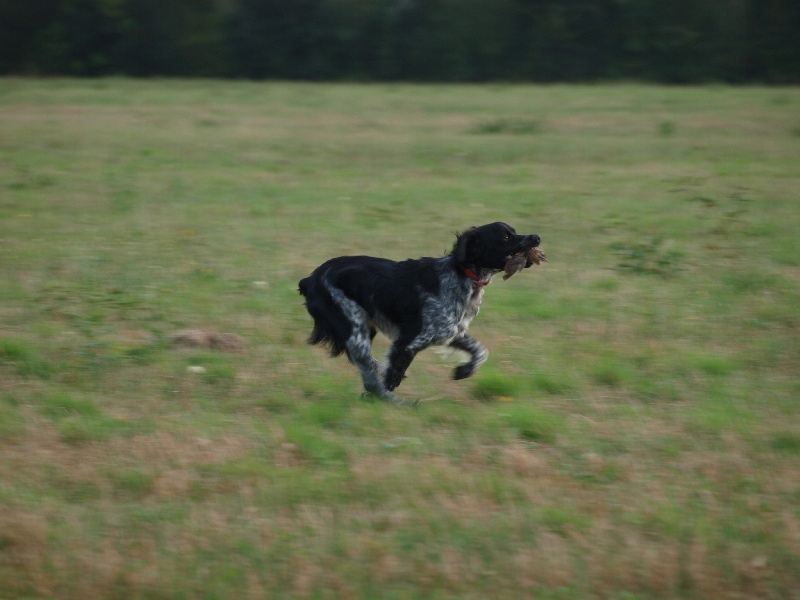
column 466, row 248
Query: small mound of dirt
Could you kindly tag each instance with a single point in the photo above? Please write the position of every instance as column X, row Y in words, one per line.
column 198, row 338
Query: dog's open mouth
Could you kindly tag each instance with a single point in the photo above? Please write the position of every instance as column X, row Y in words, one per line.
column 522, row 260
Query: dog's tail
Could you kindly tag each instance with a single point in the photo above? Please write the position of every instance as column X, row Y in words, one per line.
column 305, row 286
column 331, row 327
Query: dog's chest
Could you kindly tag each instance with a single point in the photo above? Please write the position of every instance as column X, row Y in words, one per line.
column 448, row 316
column 473, row 304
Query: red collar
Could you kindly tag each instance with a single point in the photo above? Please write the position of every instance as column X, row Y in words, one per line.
column 476, row 280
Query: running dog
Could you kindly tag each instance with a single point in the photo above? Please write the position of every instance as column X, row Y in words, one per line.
column 416, row 303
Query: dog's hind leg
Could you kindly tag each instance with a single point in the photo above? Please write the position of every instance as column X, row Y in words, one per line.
column 359, row 350
column 478, row 355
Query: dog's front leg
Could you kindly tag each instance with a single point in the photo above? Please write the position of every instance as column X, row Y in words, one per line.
column 478, row 355
column 398, row 360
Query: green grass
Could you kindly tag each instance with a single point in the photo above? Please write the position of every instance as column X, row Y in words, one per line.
column 635, row 433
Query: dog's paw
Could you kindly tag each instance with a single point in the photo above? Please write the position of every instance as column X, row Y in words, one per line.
column 393, row 379
column 463, row 371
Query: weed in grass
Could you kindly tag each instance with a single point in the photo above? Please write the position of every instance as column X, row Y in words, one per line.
column 788, row 443
column 277, row 401
column 24, row 359
column 713, row 364
column 533, row 424
column 513, row 126
column 76, row 491
column 77, row 430
column 717, row 413
column 79, row 420
column 214, row 369
column 563, row 519
column 606, row 284
column 331, row 387
column 144, row 355
column 655, row 389
column 666, row 128
column 310, row 444
column 749, row 282
column 331, row 414
column 600, row 471
column 692, row 363
column 553, row 382
column 219, row 373
column 705, row 201
column 450, row 414
column 132, row 484
column 612, row 371
column 13, row 351
column 12, row 423
column 650, row 257
column 493, row 384
column 62, row 405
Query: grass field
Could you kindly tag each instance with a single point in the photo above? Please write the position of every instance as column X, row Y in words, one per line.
column 634, row 435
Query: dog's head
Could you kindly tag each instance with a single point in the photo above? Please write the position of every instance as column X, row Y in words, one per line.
column 488, row 246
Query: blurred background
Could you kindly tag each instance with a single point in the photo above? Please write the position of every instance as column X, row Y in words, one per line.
column 680, row 41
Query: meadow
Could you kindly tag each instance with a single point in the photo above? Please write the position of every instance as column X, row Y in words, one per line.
column 635, row 433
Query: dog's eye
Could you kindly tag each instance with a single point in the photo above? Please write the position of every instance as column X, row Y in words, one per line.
column 506, row 239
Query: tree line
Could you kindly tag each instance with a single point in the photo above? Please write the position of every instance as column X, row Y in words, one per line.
column 670, row 41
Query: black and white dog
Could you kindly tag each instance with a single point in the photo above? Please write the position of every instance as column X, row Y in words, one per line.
column 415, row 303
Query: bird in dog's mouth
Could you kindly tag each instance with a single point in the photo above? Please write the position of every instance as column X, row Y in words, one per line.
column 522, row 260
